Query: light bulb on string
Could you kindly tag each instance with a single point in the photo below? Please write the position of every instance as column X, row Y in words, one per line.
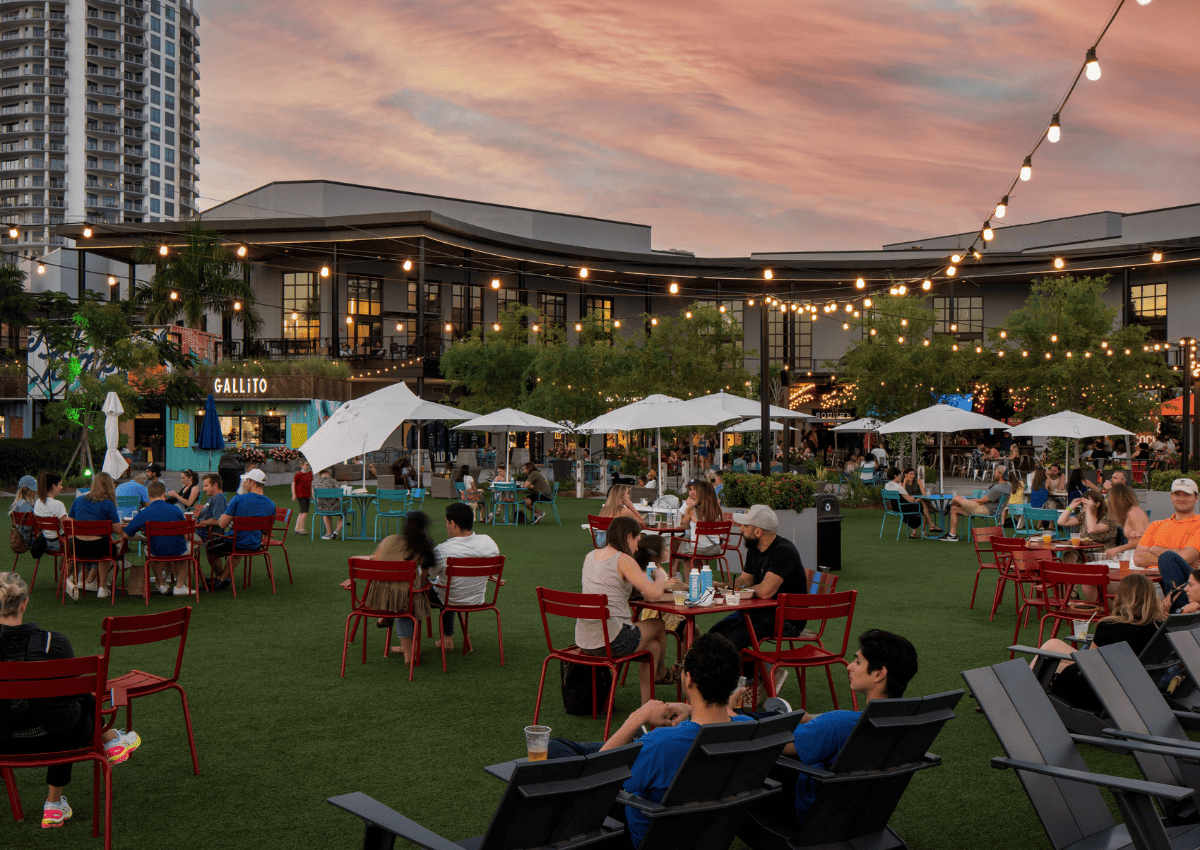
column 768, row 274
column 654, row 321
column 237, row 306
column 927, row 285
column 324, row 271
column 1054, row 133
column 112, row 280
column 495, row 283
column 174, row 295
column 495, row 326
column 579, row 327
column 163, row 250
column 1093, row 65
column 13, row 233
column 41, row 268
column 1156, row 256
column 866, row 302
column 988, row 233
column 243, row 249
column 1059, row 262
column 925, row 343
column 674, row 288
column 849, row 307
column 583, row 272
column 722, row 308
column 616, row 323
column 951, row 271
column 845, row 326
column 860, row 283
column 902, row 289
column 956, row 258
column 399, row 326
column 1002, row 207
column 407, row 265
column 1027, row 168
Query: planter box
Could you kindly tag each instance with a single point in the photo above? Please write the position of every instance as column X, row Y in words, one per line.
column 801, row 528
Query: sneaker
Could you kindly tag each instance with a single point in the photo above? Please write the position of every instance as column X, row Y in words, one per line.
column 950, row 538
column 131, row 739
column 72, row 589
column 164, row 589
column 777, row 705
column 538, row 516
column 55, row 815
column 326, row 536
column 120, row 748
column 102, row 593
column 90, row 586
column 181, row 590
column 780, row 678
column 333, row 536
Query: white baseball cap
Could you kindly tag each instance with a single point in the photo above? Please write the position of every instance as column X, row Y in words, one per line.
column 759, row 516
column 1185, row 485
column 261, row 477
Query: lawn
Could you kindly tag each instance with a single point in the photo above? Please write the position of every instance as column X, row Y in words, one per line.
column 278, row 731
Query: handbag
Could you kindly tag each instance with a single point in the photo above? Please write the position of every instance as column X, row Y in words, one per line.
column 577, row 687
column 17, row 541
column 38, row 546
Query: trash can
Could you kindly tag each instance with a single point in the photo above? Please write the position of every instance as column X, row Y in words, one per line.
column 561, row 468
column 829, row 532
column 231, row 470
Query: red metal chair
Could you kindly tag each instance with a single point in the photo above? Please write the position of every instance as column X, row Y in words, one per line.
column 368, row 570
column 1139, row 471
column 491, row 570
column 185, row 528
column 582, row 606
column 820, row 582
column 810, row 607
column 720, row 530
column 265, row 526
column 62, row 678
column 734, row 542
column 984, row 554
column 23, row 519
column 136, row 630
column 42, row 524
column 1002, row 550
column 1026, row 565
column 1058, row 580
column 73, row 528
column 598, row 524
column 284, row 516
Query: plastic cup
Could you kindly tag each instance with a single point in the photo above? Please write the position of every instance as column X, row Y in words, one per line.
column 1075, row 539
column 537, row 742
column 680, row 596
column 1047, row 537
column 1081, row 628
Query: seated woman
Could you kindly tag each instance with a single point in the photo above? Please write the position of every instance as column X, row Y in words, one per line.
column 1136, row 615
column 614, row 572
column 702, row 505
column 1086, row 516
column 470, row 492
column 1017, row 482
column 413, row 544
column 896, row 487
column 55, row 723
column 851, row 465
column 48, row 505
column 1039, row 492
column 1128, row 516
column 100, row 503
column 619, row 503
column 23, row 503
column 188, row 492
column 915, row 487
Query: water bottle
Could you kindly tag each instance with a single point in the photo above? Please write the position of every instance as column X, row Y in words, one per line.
column 694, row 586
column 650, row 567
column 705, row 580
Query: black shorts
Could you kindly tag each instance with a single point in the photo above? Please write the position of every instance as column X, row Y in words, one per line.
column 539, row 497
column 624, row 642
column 304, row 504
column 91, row 550
column 219, row 545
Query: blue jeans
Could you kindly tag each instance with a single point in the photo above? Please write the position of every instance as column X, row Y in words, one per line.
column 1174, row 571
column 404, row 628
column 561, row 748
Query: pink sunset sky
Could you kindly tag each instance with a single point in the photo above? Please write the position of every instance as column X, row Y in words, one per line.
column 730, row 127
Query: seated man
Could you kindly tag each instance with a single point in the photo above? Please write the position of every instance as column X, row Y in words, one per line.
column 985, row 505
column 539, row 491
column 249, row 503
column 206, row 519
column 1117, row 476
column 1173, row 544
column 710, row 675
column 772, row 567
column 882, row 668
column 718, row 482
column 739, row 462
column 166, row 547
column 134, row 487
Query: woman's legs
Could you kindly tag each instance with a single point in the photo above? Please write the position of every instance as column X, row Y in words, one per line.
column 1056, row 645
column 653, row 638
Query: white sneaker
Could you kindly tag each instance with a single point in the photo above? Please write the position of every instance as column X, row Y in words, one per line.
column 163, row 589
column 181, row 590
column 91, row 586
column 102, row 593
column 326, row 536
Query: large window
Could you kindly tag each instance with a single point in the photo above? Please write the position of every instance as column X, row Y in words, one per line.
column 364, row 305
column 600, row 308
column 506, row 297
column 964, row 319
column 552, row 309
column 235, row 428
column 301, row 306
column 1148, row 306
column 790, row 338
column 467, row 304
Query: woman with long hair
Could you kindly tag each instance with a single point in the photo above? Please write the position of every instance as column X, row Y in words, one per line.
column 613, row 571
column 412, row 544
column 100, row 504
column 619, row 503
column 702, row 505
column 1136, row 615
column 1127, row 515
column 188, row 492
column 470, row 493
column 48, row 505
column 1039, row 490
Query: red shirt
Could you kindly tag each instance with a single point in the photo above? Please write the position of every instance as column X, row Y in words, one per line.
column 302, row 481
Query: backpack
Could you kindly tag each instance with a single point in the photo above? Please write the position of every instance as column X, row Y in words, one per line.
column 577, row 687
column 16, row 540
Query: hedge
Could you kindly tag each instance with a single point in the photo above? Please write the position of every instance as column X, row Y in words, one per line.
column 20, row 456
column 1161, row 479
column 781, row 491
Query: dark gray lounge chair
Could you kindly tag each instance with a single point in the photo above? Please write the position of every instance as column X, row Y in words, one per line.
column 1064, row 793
column 559, row 802
column 857, row 795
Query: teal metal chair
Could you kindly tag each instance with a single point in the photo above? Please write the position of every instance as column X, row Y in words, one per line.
column 893, row 505
column 506, row 515
column 1017, row 514
column 1034, row 516
column 416, row 498
column 460, row 489
column 345, row 509
column 389, row 505
column 987, row 519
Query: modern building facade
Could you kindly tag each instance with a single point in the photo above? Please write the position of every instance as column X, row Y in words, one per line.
column 98, row 117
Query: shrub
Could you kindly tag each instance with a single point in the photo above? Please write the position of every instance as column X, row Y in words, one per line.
column 780, row 491
column 20, row 456
column 1161, row 479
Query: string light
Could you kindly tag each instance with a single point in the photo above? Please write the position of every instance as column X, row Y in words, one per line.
column 1003, row 334
column 174, row 294
column 112, row 280
column 13, row 233
column 449, row 327
column 925, row 343
column 654, row 321
column 674, row 288
column 722, row 308
column 579, row 327
column 860, row 283
column 163, row 250
column 768, row 274
column 1027, row 168
column 87, row 233
column 583, row 272
column 41, row 269
column 1002, row 207
column 956, row 259
column 902, row 289
column 535, row 330
column 988, row 233
column 324, row 271
column 1093, row 64
column 927, row 285
column 616, row 323
column 1059, row 262
column 407, row 265
column 1156, row 256
column 845, row 326
column 951, row 271
column 1055, row 130
column 866, row 302
column 496, row 326
column 243, row 249
column 495, row 283
column 1054, row 337
column 237, row 305
column 400, row 326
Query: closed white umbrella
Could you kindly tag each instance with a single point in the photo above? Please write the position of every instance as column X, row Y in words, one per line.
column 365, row 424
column 114, row 462
column 506, row 421
column 945, row 419
column 657, row 412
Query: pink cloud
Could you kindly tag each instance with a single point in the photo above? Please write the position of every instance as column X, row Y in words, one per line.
column 728, row 127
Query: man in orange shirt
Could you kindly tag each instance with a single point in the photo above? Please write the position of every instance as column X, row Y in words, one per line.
column 1173, row 544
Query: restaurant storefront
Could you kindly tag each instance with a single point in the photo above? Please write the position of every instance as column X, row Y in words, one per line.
column 264, row 411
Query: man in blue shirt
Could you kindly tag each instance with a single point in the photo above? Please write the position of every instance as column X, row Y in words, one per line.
column 882, row 668
column 249, row 503
column 170, row 546
column 133, row 487
column 208, row 516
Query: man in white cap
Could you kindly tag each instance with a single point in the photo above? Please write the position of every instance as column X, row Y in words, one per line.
column 1173, row 544
column 772, row 567
column 249, row 503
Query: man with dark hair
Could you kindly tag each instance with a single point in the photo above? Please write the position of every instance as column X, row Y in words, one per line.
column 539, row 491
column 462, row 542
column 710, row 674
column 881, row 669
column 157, row 510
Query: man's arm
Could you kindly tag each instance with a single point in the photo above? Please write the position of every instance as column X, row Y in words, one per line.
column 769, row 586
column 224, row 521
column 654, row 713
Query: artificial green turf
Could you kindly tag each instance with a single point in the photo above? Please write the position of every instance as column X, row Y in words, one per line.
column 278, row 731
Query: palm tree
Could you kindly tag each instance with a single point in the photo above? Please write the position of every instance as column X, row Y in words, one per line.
column 200, row 276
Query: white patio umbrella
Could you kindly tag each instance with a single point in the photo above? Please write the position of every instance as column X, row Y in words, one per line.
column 365, row 424
column 506, row 421
column 657, row 412
column 945, row 419
column 752, row 425
column 114, row 462
column 866, row 425
column 738, row 407
column 1067, row 424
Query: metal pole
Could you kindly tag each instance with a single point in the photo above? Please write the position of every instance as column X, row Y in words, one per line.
column 764, row 463
column 334, row 312
column 1186, row 437
column 82, row 270
column 421, row 347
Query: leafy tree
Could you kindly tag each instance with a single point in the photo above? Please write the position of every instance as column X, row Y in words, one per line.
column 900, row 366
column 17, row 305
column 492, row 368
column 203, row 276
column 1067, row 318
